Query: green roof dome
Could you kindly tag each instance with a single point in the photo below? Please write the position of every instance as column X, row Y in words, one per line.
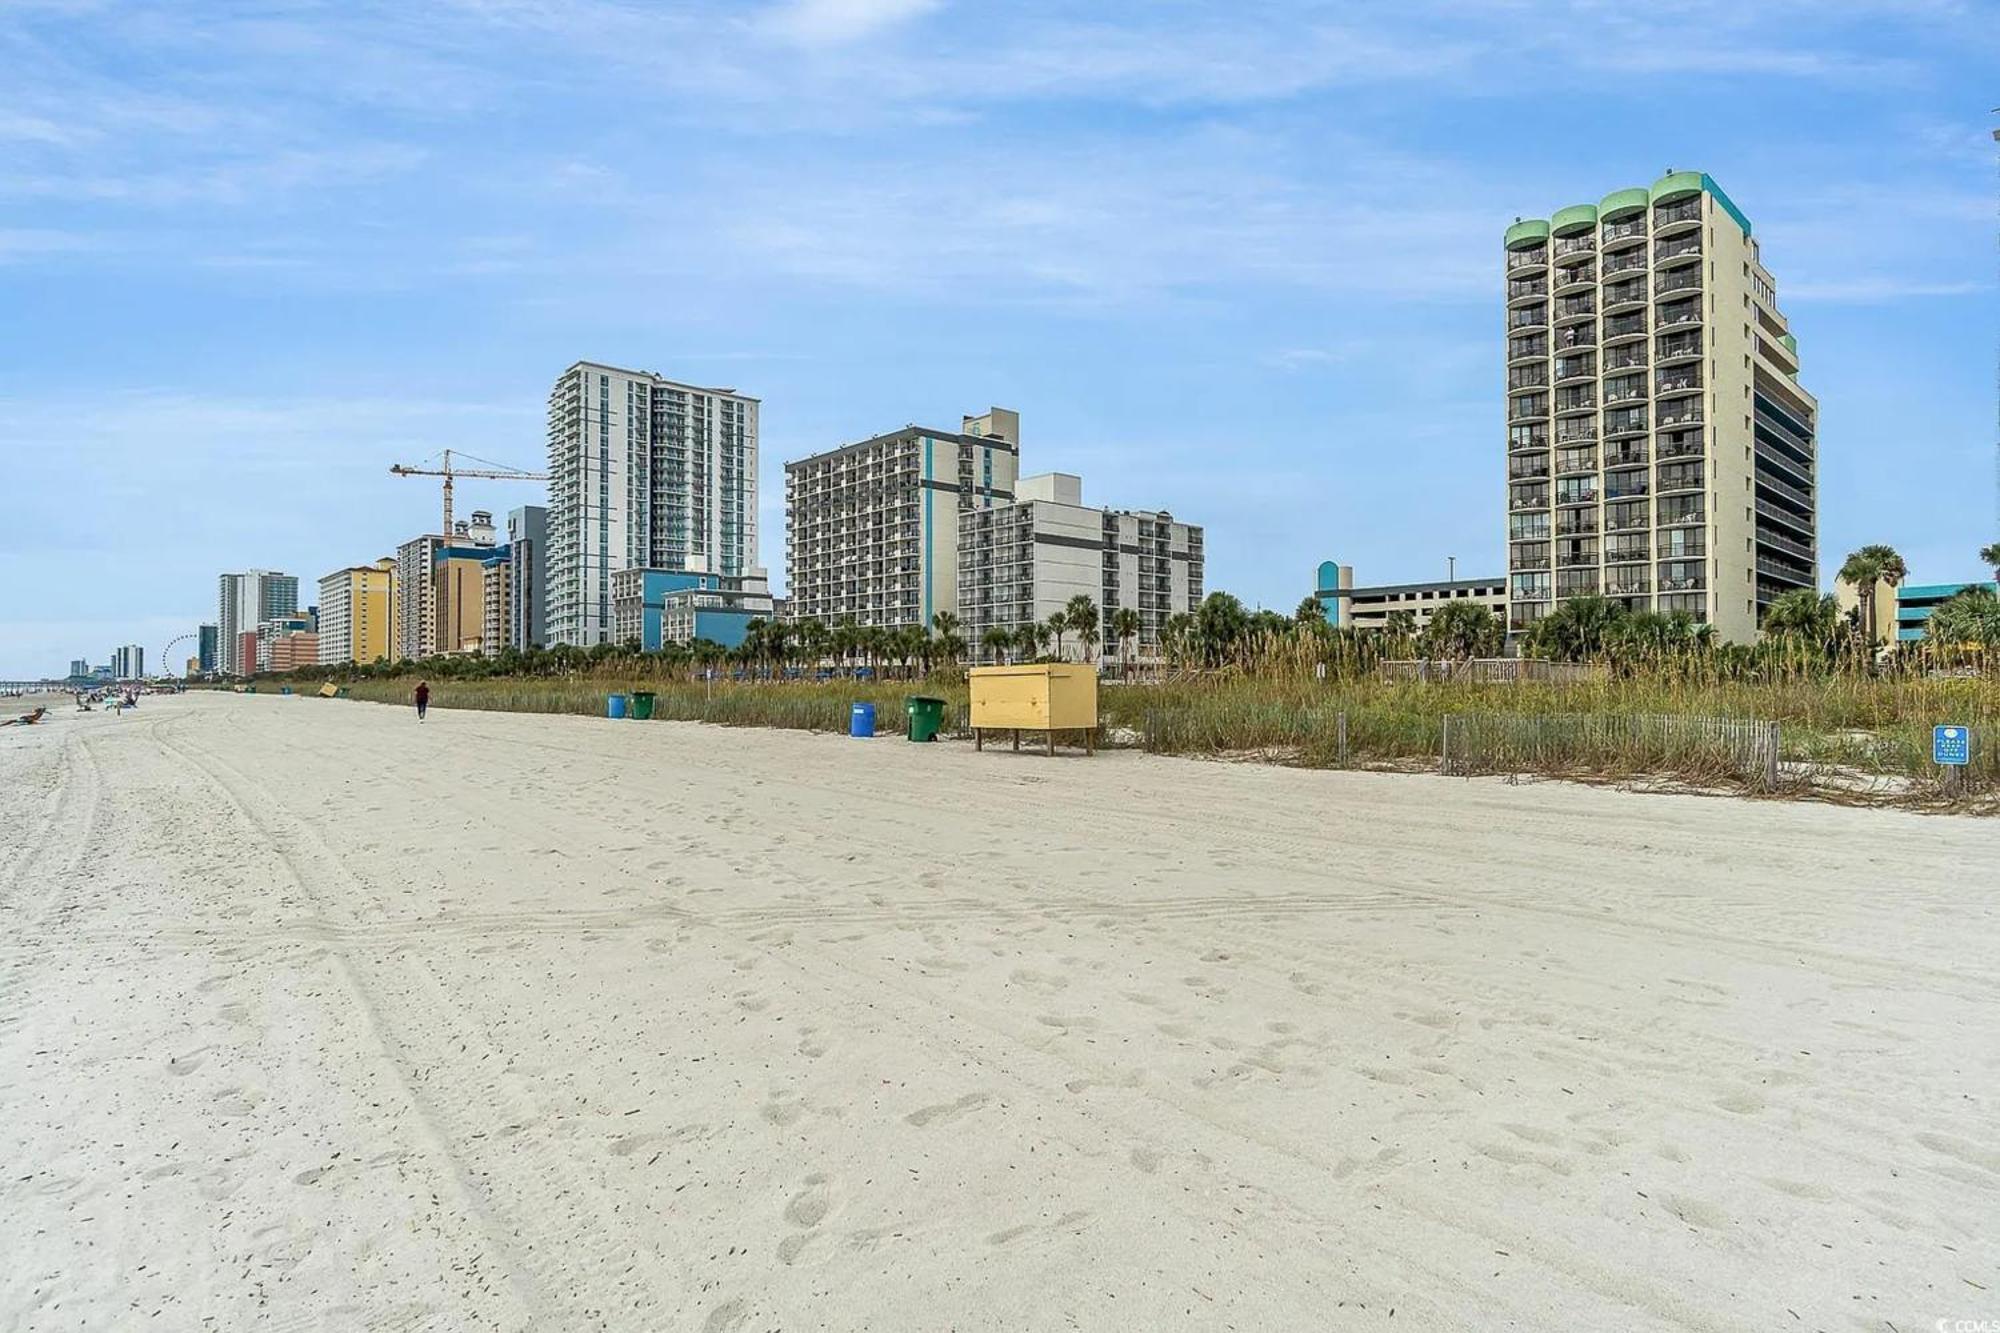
column 1575, row 218
column 1618, row 201
column 1675, row 185
column 1524, row 234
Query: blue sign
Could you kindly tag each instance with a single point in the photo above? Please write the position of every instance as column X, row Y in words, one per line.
column 1951, row 745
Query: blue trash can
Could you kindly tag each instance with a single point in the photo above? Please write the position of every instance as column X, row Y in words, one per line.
column 615, row 706
column 861, row 721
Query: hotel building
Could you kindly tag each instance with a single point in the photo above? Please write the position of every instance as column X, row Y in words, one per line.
column 872, row 528
column 356, row 611
column 644, row 472
column 246, row 601
column 1660, row 450
column 1024, row 560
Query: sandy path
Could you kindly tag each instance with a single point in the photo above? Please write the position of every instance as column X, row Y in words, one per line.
column 315, row 1019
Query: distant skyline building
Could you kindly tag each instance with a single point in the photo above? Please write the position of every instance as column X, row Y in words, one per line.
column 207, row 644
column 1660, row 450
column 265, row 638
column 527, row 577
column 79, row 668
column 356, row 613
column 872, row 528
column 1369, row 608
column 644, row 472
column 1023, row 561
column 245, row 601
column 128, row 662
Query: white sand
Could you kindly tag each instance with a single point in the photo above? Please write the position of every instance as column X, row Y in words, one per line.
column 313, row 1018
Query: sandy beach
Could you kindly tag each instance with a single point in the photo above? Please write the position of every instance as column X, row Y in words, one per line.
column 314, row 1018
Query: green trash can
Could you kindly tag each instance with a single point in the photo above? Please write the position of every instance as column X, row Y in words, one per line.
column 926, row 716
column 642, row 704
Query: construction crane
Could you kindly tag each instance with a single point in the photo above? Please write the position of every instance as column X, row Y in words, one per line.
column 490, row 471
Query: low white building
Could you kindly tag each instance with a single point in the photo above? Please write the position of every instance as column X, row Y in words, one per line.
column 1024, row 561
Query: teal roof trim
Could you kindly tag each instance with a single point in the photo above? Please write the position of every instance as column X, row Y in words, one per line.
column 1728, row 204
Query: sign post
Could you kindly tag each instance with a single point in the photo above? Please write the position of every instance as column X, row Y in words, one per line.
column 1951, row 750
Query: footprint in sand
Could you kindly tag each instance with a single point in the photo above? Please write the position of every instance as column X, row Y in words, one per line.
column 945, row 1112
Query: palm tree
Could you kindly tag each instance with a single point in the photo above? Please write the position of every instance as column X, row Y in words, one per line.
column 1126, row 628
column 1309, row 611
column 950, row 643
column 1804, row 614
column 1579, row 628
column 1969, row 616
column 998, row 641
column 1032, row 637
column 1464, row 629
column 1867, row 567
column 1082, row 618
column 1221, row 622
column 1990, row 557
column 1057, row 622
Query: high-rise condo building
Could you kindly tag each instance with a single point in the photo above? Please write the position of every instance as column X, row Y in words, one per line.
column 207, row 645
column 356, row 613
column 643, row 472
column 1023, row 561
column 246, row 601
column 527, row 577
column 1660, row 450
column 872, row 529
column 128, row 662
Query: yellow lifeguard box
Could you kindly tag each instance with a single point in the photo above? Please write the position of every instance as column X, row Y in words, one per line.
column 1044, row 696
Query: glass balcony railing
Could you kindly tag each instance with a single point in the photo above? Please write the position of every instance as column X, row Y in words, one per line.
column 1685, row 210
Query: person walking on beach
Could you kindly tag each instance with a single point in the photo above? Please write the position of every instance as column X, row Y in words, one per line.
column 423, row 698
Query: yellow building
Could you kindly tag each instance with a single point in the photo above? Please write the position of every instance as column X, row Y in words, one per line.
column 357, row 608
column 458, row 596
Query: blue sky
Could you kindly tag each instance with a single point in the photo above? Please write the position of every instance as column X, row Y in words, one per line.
column 1236, row 260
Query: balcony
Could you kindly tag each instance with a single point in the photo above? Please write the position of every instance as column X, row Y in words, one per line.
column 1626, row 453
column 1584, row 554
column 1771, row 485
column 1780, row 542
column 1624, row 357
column 1580, row 275
column 1627, row 422
column 1679, row 415
column 1535, row 408
column 1625, row 295
column 1576, row 335
column 1687, row 583
column 1576, row 523
column 1631, row 325
column 1522, row 503
column 1578, row 583
column 1679, row 249
column 1678, row 347
column 1582, row 398
column 1779, row 514
column 1625, row 486
column 1674, row 216
column 1627, row 550
column 1528, row 377
column 1517, row 260
column 1679, row 280
column 1621, row 586
column 1573, row 494
column 1527, row 437
column 1527, row 349
column 1528, row 562
column 1625, row 389
column 1626, row 261
column 1676, row 380
column 1614, row 522
column 1575, row 307
column 1527, row 467
column 1575, row 368
column 1527, row 288
column 1680, row 477
column 1525, row 316
column 1622, row 233
column 1570, row 462
column 1677, row 316
column 1576, row 430
column 1572, row 247
column 1688, row 444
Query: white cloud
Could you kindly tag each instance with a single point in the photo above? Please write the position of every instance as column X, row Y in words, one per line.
column 838, row 21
